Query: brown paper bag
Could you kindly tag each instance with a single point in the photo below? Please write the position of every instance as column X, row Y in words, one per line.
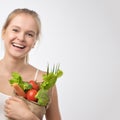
column 38, row 110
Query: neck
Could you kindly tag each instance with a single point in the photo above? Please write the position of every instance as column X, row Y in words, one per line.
column 13, row 65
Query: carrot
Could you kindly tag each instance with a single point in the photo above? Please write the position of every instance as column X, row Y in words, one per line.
column 19, row 90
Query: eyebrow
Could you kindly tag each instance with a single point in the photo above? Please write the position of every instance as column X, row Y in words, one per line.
column 20, row 28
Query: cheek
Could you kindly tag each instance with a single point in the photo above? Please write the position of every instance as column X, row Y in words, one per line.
column 8, row 37
column 11, row 36
column 31, row 43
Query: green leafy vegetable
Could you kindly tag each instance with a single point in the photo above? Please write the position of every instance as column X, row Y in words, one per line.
column 43, row 97
column 51, row 77
column 49, row 81
column 16, row 78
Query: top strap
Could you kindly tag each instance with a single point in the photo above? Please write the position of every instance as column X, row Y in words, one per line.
column 36, row 74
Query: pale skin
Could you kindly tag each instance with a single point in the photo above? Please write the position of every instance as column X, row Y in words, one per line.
column 21, row 32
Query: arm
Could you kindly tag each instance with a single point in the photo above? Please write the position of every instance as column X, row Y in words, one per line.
column 53, row 112
column 31, row 116
column 21, row 113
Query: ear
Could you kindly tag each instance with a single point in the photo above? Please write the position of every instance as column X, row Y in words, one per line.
column 3, row 35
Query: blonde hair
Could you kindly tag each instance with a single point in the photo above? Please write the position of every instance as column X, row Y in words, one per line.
column 17, row 11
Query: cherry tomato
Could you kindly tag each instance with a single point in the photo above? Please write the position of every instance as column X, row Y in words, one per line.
column 34, row 84
column 30, row 95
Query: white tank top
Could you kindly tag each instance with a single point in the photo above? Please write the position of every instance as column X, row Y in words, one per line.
column 36, row 74
column 4, row 97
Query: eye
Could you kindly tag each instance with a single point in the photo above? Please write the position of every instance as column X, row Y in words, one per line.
column 30, row 35
column 15, row 30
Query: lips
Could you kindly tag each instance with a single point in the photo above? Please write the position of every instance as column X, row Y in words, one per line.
column 18, row 45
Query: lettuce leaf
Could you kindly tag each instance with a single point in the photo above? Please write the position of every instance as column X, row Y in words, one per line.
column 16, row 78
column 49, row 81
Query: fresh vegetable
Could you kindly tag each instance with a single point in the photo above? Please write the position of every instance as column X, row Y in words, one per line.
column 30, row 95
column 16, row 78
column 33, row 91
column 34, row 84
column 43, row 97
column 49, row 80
column 19, row 91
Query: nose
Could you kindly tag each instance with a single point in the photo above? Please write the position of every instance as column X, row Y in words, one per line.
column 21, row 36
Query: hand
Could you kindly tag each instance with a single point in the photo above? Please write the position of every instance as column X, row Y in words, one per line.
column 16, row 108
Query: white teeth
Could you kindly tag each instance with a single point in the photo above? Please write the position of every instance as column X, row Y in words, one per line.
column 18, row 45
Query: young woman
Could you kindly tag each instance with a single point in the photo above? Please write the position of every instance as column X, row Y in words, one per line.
column 19, row 34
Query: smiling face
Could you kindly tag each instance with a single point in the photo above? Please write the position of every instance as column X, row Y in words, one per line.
column 20, row 35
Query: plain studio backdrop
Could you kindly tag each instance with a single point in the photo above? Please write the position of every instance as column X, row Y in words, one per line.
column 84, row 37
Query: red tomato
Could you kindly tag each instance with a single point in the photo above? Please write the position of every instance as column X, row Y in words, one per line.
column 30, row 95
column 34, row 84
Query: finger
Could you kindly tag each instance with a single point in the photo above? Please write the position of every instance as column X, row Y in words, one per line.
column 7, row 101
column 15, row 99
column 7, row 113
column 6, row 109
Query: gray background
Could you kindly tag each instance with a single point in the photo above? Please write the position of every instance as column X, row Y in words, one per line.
column 84, row 37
